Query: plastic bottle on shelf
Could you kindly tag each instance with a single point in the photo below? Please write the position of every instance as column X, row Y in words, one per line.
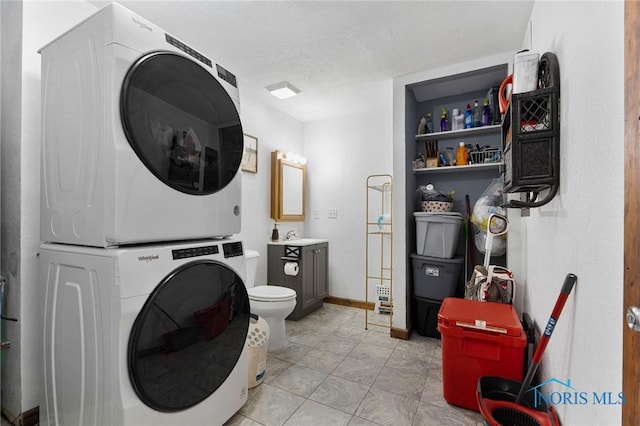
column 468, row 118
column 486, row 113
column 454, row 113
column 477, row 114
column 457, row 120
column 462, row 155
column 444, row 122
column 429, row 123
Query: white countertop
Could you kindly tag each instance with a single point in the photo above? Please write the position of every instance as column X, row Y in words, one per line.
column 299, row 242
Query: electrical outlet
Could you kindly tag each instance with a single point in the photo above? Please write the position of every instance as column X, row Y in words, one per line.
column 316, row 214
column 333, row 213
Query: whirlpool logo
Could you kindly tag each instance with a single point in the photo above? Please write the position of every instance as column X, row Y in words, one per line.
column 141, row 24
column 150, row 258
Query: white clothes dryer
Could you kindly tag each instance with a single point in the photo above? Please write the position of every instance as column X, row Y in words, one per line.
column 144, row 335
column 142, row 139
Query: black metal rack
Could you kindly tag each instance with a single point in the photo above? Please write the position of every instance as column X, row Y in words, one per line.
column 531, row 138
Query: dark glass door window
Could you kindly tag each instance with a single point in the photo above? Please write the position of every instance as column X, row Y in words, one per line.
column 188, row 337
column 181, row 123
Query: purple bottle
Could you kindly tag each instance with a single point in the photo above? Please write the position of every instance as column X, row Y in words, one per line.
column 444, row 122
column 486, row 113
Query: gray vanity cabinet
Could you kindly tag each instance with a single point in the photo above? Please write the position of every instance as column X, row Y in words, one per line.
column 310, row 284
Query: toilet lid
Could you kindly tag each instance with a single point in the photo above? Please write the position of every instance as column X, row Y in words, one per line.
column 270, row 293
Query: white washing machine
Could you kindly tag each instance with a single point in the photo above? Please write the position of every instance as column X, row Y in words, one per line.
column 144, row 335
column 142, row 139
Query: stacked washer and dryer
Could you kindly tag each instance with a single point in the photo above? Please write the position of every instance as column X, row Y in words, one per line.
column 145, row 309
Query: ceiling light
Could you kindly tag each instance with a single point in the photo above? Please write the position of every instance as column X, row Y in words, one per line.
column 283, row 90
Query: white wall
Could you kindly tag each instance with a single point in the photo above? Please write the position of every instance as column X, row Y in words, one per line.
column 341, row 154
column 10, row 92
column 581, row 230
column 20, row 193
column 275, row 131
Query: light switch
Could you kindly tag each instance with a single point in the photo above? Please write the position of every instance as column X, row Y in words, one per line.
column 316, row 214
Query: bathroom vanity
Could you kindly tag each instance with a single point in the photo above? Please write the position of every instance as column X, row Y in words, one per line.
column 310, row 284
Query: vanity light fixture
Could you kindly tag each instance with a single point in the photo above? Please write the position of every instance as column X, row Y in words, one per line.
column 294, row 158
column 283, row 90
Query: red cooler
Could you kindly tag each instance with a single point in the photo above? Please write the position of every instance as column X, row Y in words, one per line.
column 478, row 339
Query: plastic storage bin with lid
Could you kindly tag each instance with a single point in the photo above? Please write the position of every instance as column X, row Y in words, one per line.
column 437, row 233
column 435, row 278
column 478, row 339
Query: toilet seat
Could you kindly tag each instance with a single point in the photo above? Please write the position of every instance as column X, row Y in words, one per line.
column 271, row 293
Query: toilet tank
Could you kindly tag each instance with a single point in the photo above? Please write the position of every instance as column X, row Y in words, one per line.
column 251, row 260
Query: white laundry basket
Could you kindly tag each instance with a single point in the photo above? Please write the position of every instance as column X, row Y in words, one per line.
column 257, row 345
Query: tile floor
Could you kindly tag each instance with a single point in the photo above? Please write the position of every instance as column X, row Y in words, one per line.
column 334, row 372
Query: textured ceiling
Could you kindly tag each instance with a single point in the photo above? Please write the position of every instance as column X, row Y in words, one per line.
column 335, row 51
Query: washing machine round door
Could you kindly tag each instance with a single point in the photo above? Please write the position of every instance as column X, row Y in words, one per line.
column 189, row 336
column 182, row 123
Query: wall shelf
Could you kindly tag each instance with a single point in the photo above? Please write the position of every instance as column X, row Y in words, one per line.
column 379, row 251
column 464, row 133
column 460, row 169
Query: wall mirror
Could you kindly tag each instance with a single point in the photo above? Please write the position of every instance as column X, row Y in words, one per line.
column 287, row 189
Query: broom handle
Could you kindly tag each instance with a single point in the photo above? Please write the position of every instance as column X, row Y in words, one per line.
column 569, row 282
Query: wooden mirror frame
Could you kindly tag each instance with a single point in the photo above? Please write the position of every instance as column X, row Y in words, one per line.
column 278, row 195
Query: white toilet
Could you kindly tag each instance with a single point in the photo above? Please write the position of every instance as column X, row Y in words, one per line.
column 273, row 303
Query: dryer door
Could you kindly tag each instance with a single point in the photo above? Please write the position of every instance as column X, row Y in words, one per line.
column 189, row 335
column 182, row 123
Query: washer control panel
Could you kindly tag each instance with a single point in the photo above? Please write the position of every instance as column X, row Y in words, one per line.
column 232, row 249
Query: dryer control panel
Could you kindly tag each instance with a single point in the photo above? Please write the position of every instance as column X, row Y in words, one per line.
column 194, row 252
column 187, row 49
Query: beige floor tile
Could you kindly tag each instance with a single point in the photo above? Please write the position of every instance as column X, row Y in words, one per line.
column 271, row 406
column 337, row 345
column 419, row 345
column 359, row 421
column 340, row 394
column 274, row 368
column 300, row 380
column 402, row 381
column 387, row 408
column 435, row 371
column 380, row 339
column 431, row 415
column 415, row 361
column 321, row 360
column 292, row 353
column 368, row 352
column 432, row 393
column 309, row 338
column 237, row 420
column 336, row 371
column 358, row 371
column 349, row 331
column 313, row 413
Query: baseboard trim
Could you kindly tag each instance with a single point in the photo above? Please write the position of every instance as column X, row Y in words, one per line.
column 10, row 417
column 350, row 302
column 31, row 417
column 399, row 333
